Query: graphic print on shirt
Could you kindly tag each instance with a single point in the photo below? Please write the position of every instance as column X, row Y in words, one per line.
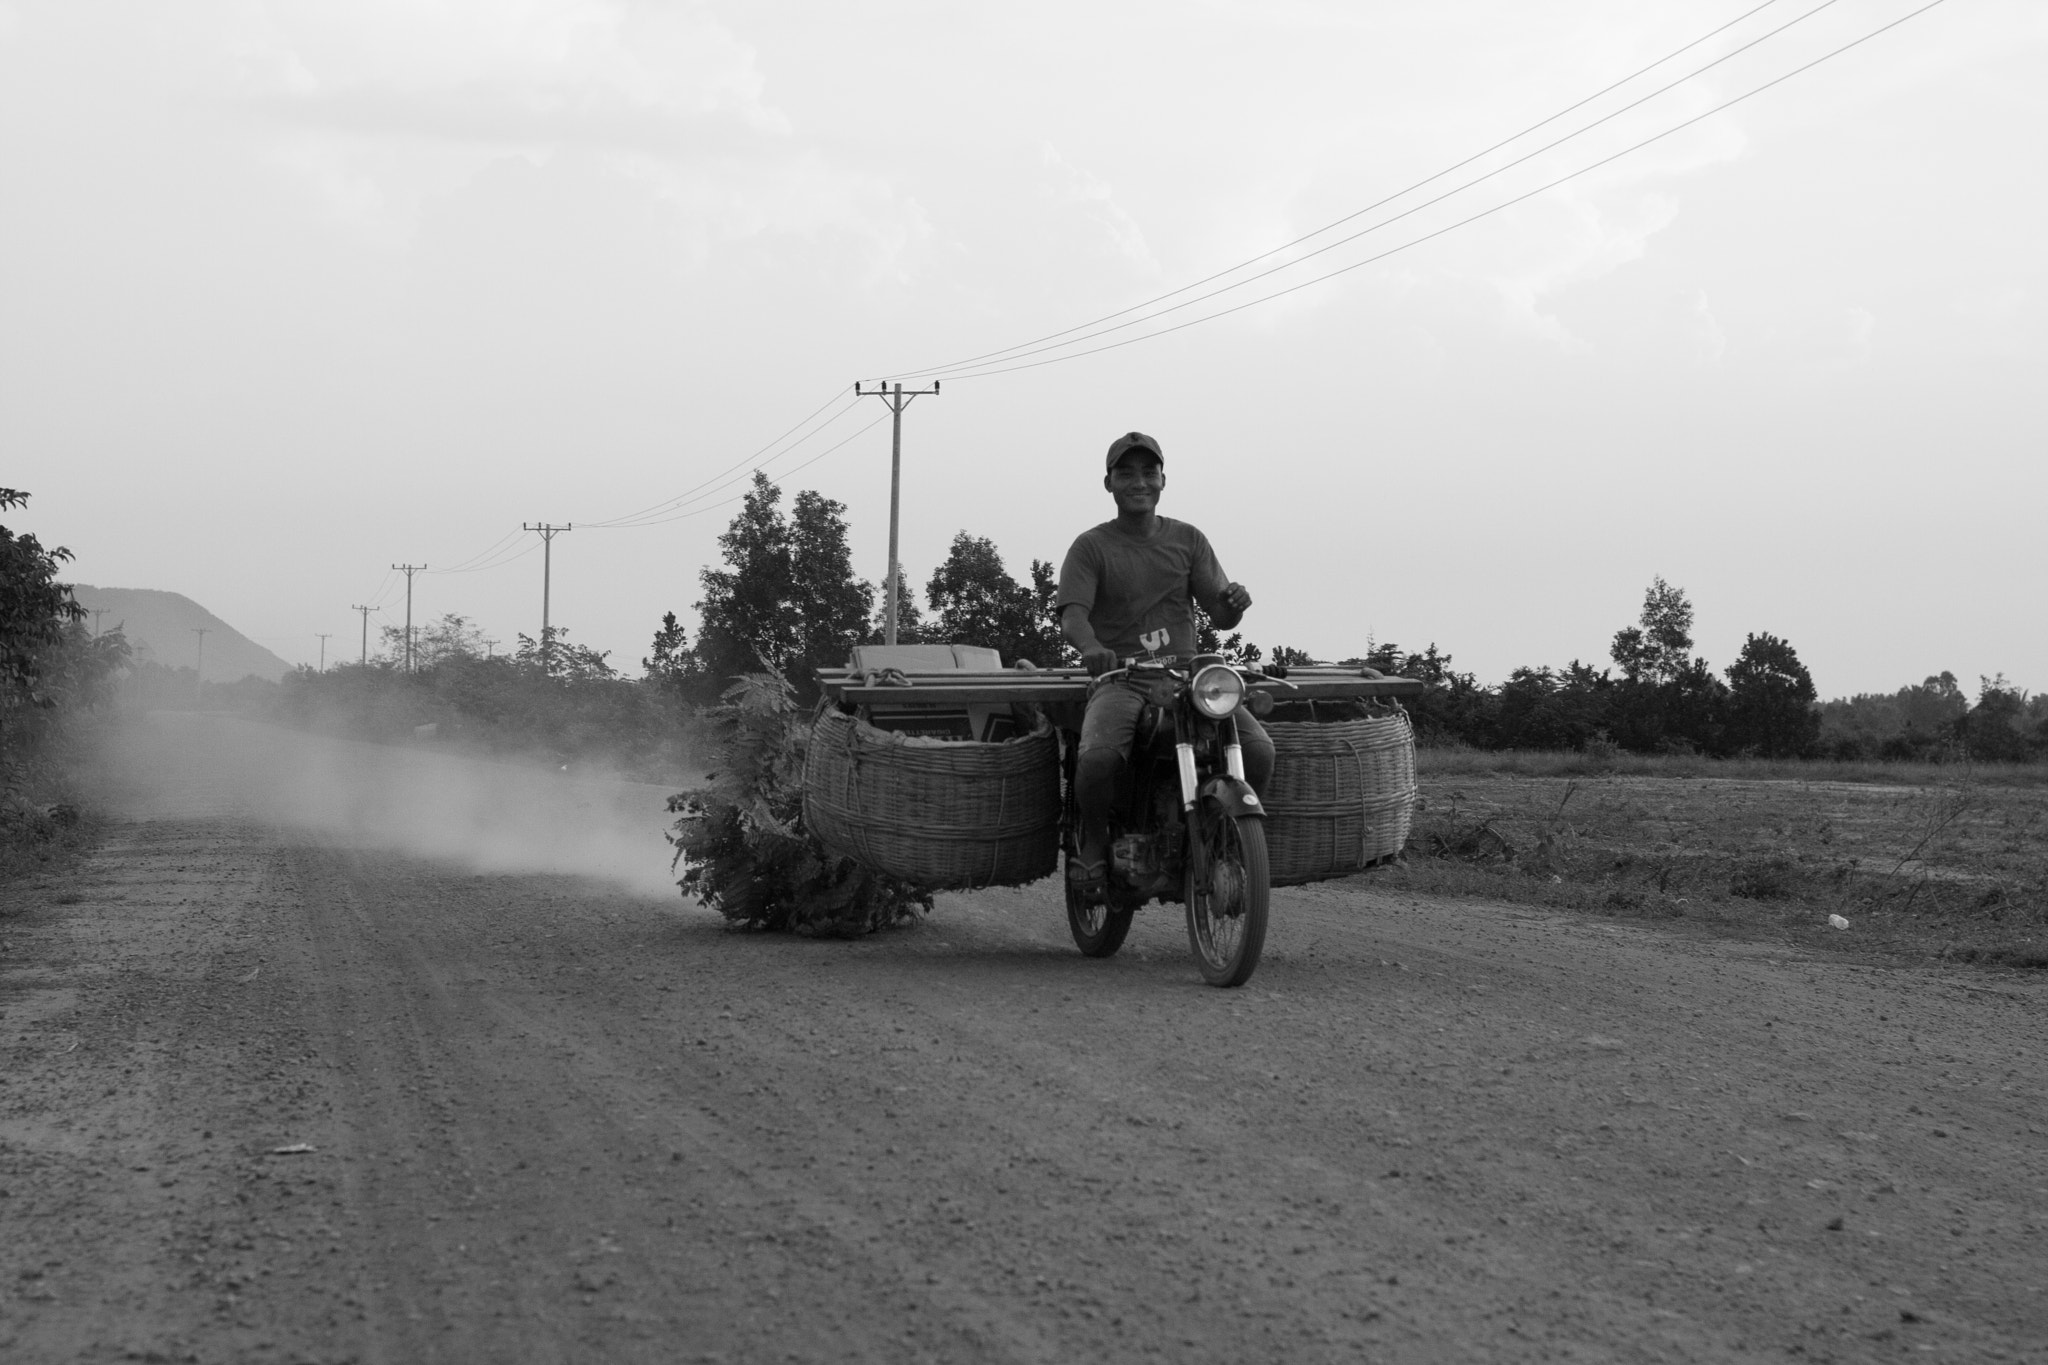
column 1155, row 640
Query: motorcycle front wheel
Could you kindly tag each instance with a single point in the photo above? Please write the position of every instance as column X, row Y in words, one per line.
column 1098, row 930
column 1227, row 923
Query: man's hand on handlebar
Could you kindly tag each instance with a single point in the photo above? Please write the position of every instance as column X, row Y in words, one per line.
column 1099, row 660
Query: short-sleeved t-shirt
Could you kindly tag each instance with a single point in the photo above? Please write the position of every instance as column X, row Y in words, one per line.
column 1135, row 587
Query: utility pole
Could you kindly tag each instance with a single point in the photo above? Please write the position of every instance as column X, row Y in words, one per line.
column 490, row 648
column 323, row 646
column 199, row 668
column 898, row 398
column 408, row 570
column 547, row 568
column 97, row 613
column 366, row 629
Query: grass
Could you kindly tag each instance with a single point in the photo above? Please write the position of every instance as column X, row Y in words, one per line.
column 1443, row 760
column 1945, row 861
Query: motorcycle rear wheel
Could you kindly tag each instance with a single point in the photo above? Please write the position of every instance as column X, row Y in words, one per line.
column 1227, row 924
column 1098, row 929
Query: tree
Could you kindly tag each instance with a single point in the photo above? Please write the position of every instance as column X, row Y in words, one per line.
column 1771, row 701
column 743, row 619
column 1542, row 708
column 1918, row 724
column 1454, row 709
column 561, row 660
column 910, row 627
column 787, row 599
column 1995, row 730
column 1666, row 700
column 452, row 637
column 831, row 604
column 35, row 610
column 975, row 601
column 1659, row 650
column 1209, row 640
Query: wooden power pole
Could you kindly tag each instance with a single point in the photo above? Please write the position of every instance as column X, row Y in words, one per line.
column 366, row 629
column 898, row 398
column 408, row 570
column 547, row 573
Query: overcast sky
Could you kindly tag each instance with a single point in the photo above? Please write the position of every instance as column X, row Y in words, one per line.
column 290, row 292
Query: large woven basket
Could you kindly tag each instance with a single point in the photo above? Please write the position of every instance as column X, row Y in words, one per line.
column 946, row 815
column 1342, row 795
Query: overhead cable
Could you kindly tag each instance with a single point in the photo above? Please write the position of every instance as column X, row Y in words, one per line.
column 667, row 505
column 784, row 474
column 1006, row 368
column 1020, row 353
column 1356, row 213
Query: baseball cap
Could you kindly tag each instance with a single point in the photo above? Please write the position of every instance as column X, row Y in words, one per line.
column 1129, row 441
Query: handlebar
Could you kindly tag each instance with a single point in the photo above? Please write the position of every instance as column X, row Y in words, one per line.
column 1250, row 674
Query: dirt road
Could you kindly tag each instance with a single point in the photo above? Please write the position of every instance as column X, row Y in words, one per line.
column 276, row 1089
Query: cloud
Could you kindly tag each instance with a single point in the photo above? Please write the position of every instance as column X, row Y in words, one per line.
column 505, row 71
column 377, row 106
column 1119, row 232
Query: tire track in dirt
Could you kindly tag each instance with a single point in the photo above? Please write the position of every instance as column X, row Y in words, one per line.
column 557, row 1121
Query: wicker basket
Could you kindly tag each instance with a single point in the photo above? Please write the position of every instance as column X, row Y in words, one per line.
column 946, row 815
column 1342, row 795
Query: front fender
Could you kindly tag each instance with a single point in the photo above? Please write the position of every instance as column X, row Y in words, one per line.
column 1228, row 796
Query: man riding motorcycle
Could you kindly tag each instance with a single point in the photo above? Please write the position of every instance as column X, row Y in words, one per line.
column 1125, row 591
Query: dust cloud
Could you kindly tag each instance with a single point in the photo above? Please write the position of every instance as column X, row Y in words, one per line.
column 488, row 816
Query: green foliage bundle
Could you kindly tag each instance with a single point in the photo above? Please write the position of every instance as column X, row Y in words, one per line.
column 740, row 839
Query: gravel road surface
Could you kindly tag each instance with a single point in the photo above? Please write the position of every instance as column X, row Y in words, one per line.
column 333, row 1053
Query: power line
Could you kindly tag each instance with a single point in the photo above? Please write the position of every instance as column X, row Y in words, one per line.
column 498, row 563
column 1429, row 236
column 668, row 504
column 1378, row 203
column 463, row 565
column 727, row 502
column 1417, row 208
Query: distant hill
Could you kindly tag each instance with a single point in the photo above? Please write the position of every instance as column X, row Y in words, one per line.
column 159, row 627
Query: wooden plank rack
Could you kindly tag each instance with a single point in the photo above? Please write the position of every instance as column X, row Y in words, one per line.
column 1304, row 682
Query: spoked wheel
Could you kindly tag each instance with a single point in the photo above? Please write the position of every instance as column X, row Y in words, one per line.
column 1227, row 923
column 1098, row 929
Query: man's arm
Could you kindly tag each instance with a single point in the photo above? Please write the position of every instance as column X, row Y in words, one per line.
column 1231, row 605
column 1096, row 657
column 1225, row 601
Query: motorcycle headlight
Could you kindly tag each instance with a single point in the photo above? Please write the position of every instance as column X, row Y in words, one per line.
column 1216, row 691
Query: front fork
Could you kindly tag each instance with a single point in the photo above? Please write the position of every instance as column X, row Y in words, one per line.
column 1233, row 760
column 1233, row 763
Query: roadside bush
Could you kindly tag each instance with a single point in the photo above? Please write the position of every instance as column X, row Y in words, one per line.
column 1765, row 879
column 740, row 838
column 575, row 709
column 51, row 672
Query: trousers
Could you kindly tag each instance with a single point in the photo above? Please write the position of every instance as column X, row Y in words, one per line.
column 1110, row 728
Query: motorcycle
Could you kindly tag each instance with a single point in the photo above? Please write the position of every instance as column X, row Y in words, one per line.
column 1189, row 827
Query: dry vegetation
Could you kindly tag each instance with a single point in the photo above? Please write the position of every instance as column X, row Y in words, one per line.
column 1922, row 860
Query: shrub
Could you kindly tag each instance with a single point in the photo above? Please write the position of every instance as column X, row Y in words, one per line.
column 1764, row 879
column 740, row 839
